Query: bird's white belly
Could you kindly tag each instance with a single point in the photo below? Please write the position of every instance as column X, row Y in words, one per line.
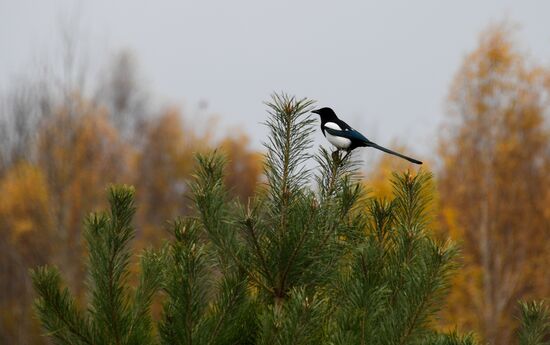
column 340, row 142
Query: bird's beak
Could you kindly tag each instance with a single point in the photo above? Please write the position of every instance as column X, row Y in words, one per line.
column 315, row 111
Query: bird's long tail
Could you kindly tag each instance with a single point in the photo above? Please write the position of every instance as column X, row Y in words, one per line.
column 381, row 148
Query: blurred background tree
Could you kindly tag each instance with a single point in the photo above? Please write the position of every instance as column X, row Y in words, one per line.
column 494, row 184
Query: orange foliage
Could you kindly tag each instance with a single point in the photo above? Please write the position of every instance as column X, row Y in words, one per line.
column 25, row 201
column 244, row 167
column 26, row 234
column 79, row 152
column 379, row 178
column 25, row 230
column 163, row 170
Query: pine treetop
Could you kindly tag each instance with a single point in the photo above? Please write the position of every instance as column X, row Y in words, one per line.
column 296, row 264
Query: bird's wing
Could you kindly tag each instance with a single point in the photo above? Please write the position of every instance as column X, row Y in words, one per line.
column 351, row 134
column 343, row 125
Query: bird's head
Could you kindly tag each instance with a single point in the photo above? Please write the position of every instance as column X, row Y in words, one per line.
column 327, row 114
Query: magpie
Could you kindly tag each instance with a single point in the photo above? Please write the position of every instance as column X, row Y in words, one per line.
column 343, row 137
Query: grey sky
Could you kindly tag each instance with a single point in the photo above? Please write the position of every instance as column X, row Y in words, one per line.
column 385, row 66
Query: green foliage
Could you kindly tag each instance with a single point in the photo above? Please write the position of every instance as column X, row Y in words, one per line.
column 57, row 309
column 290, row 130
column 294, row 265
column 397, row 276
column 297, row 321
column 195, row 312
column 452, row 338
column 115, row 314
column 535, row 321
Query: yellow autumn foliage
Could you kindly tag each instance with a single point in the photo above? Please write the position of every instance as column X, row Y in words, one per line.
column 493, row 185
column 25, row 201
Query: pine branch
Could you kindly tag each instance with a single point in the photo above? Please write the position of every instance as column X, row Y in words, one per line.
column 299, row 321
column 382, row 219
column 419, row 287
column 413, row 195
column 110, row 318
column 290, row 128
column 210, row 198
column 185, row 286
column 535, row 323
column 409, row 207
column 333, row 171
column 431, row 293
column 152, row 268
column 57, row 309
column 230, row 316
column 452, row 338
column 108, row 237
column 193, row 312
column 339, row 193
column 248, row 224
column 398, row 276
column 291, row 260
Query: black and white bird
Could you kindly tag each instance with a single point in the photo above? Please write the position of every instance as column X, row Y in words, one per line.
column 345, row 138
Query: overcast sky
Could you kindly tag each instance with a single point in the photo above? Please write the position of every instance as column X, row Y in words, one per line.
column 384, row 66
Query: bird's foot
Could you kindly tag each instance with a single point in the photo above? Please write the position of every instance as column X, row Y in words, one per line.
column 346, row 156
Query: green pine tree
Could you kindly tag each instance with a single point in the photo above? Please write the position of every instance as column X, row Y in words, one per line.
column 535, row 324
column 116, row 313
column 309, row 260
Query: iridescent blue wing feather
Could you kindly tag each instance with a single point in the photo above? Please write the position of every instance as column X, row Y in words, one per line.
column 351, row 134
